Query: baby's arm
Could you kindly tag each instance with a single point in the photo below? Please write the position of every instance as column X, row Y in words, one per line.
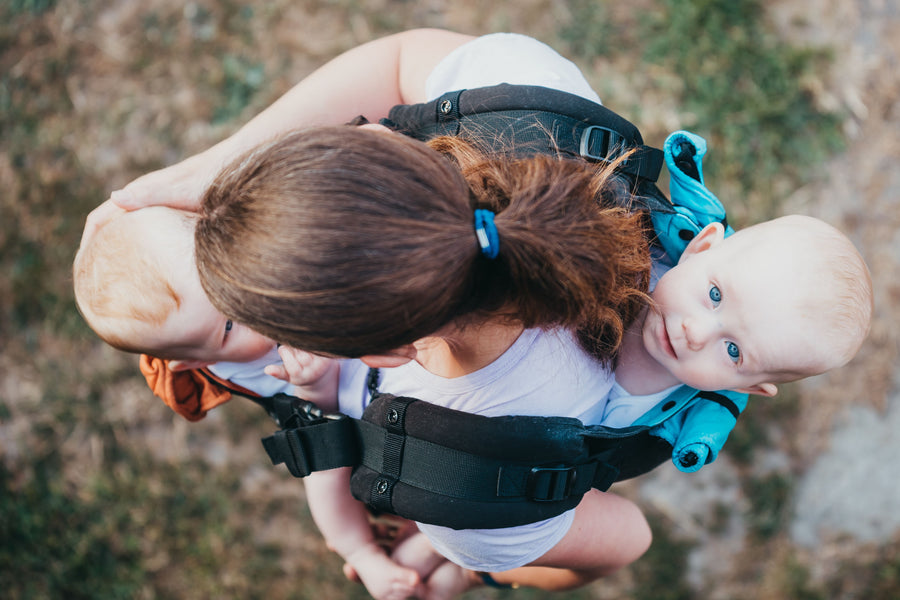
column 343, row 521
column 366, row 80
column 345, row 526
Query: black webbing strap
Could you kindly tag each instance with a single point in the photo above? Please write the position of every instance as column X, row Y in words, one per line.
column 722, row 400
column 391, row 441
column 310, row 440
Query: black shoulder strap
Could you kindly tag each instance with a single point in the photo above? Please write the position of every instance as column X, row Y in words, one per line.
column 310, row 440
column 523, row 119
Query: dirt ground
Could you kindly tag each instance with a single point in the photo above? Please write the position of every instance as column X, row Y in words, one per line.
column 835, row 456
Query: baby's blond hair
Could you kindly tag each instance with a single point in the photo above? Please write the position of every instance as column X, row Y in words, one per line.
column 846, row 291
column 122, row 274
column 840, row 287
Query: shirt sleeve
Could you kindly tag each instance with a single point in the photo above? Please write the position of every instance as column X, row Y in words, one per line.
column 507, row 58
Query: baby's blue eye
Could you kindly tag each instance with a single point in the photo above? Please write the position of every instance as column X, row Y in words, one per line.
column 734, row 353
column 715, row 295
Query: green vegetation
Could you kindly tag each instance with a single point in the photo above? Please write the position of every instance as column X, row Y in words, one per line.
column 590, row 33
column 241, row 81
column 30, row 6
column 746, row 92
column 769, row 499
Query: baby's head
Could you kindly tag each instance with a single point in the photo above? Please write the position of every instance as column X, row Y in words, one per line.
column 136, row 284
column 776, row 302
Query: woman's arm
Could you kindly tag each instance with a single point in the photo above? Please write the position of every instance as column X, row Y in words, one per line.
column 366, row 80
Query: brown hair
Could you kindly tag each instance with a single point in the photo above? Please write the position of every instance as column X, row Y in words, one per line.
column 348, row 242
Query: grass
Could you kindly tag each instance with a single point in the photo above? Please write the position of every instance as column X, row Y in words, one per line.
column 747, row 93
column 659, row 574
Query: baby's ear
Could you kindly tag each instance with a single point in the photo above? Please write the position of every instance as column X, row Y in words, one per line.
column 392, row 358
column 760, row 389
column 708, row 237
column 187, row 365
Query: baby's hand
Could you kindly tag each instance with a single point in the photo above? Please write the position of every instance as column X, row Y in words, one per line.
column 314, row 375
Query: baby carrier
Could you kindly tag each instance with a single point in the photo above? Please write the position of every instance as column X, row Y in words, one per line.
column 460, row 470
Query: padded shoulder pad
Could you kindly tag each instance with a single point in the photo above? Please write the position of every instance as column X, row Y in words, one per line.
column 446, row 467
column 524, row 119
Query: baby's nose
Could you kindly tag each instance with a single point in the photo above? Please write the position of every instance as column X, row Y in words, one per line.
column 696, row 332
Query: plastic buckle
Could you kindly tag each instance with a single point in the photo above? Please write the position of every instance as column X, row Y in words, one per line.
column 611, row 143
column 293, row 412
column 550, row 484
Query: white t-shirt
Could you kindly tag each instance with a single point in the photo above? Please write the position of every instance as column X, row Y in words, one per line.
column 544, row 373
column 250, row 375
column 622, row 409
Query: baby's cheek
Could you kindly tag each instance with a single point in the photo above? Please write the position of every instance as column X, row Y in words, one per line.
column 702, row 376
column 255, row 345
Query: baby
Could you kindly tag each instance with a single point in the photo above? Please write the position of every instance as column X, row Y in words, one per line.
column 776, row 302
column 137, row 287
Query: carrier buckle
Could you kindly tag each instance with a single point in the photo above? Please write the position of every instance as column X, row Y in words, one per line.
column 550, row 484
column 291, row 412
column 601, row 143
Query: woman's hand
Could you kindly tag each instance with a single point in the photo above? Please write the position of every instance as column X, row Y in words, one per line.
column 180, row 186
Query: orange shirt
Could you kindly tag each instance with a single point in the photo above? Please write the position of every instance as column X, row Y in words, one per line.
column 190, row 393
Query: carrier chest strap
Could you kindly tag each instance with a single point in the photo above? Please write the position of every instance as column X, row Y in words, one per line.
column 462, row 475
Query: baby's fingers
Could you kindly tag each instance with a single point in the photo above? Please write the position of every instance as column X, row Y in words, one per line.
column 278, row 372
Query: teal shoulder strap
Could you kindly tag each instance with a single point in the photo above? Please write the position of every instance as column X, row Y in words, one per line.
column 695, row 206
column 696, row 424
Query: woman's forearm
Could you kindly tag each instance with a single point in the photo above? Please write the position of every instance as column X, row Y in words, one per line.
column 367, row 80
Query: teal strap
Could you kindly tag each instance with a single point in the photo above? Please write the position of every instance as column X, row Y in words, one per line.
column 695, row 205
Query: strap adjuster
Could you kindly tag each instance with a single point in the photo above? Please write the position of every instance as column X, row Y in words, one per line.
column 605, row 144
column 550, row 484
column 601, row 143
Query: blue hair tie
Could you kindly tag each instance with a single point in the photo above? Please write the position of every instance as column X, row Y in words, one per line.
column 486, row 232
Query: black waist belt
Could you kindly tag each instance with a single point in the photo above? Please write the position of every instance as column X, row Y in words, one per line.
column 441, row 466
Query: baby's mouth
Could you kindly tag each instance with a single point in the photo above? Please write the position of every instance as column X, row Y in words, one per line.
column 666, row 341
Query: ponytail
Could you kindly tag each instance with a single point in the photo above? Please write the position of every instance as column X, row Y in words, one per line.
column 569, row 255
